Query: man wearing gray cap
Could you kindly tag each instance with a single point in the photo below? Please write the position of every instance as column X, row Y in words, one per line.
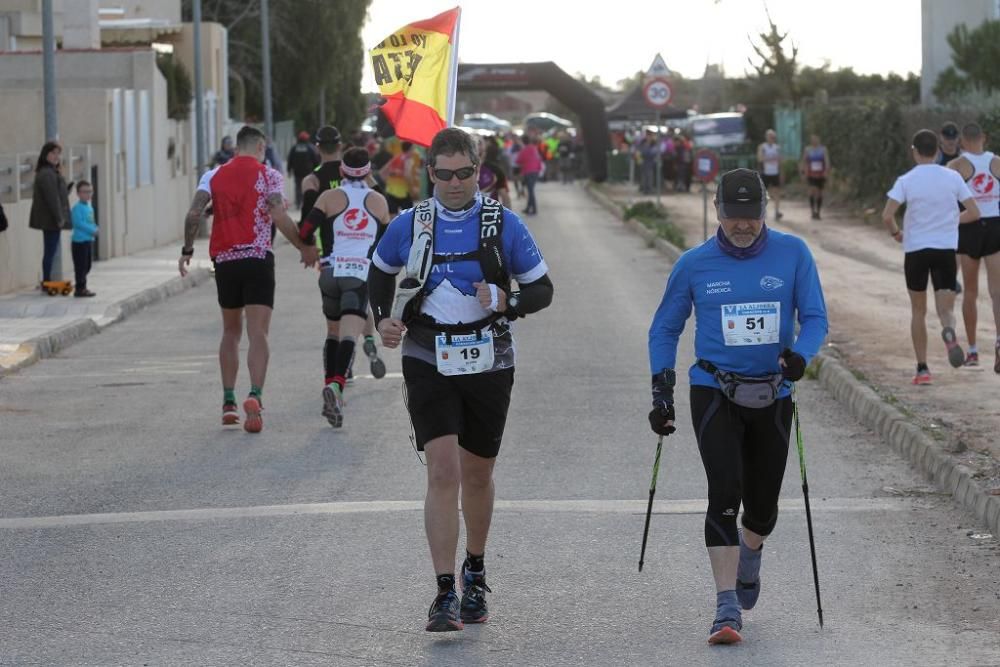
column 748, row 286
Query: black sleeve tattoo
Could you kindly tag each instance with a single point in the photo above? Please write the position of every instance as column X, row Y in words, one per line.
column 194, row 217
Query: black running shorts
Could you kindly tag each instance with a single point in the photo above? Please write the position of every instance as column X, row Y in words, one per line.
column 941, row 265
column 771, row 181
column 474, row 407
column 817, row 182
column 980, row 238
column 245, row 282
column 343, row 296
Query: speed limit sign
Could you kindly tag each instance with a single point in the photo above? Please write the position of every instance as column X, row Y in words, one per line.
column 657, row 93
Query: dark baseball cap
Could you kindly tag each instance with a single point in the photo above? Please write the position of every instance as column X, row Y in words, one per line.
column 741, row 194
column 949, row 130
column 328, row 134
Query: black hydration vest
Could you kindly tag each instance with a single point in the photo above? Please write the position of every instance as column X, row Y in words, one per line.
column 489, row 254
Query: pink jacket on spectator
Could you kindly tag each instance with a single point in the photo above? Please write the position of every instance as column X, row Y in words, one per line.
column 529, row 160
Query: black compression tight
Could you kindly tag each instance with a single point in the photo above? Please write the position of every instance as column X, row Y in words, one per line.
column 744, row 452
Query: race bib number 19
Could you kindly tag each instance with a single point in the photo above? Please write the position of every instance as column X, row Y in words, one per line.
column 751, row 323
column 464, row 355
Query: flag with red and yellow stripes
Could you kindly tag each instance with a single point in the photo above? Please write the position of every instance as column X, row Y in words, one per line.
column 416, row 70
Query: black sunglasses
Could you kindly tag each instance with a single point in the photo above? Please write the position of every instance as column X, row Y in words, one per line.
column 463, row 173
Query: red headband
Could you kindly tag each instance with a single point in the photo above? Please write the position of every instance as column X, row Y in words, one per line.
column 356, row 172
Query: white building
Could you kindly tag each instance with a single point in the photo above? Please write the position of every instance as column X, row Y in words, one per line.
column 111, row 102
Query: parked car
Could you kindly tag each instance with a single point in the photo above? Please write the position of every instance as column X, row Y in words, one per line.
column 544, row 122
column 724, row 132
column 485, row 121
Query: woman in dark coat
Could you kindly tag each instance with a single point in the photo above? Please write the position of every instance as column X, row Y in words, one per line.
column 50, row 204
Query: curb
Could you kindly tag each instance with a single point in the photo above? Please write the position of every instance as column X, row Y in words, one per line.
column 891, row 424
column 668, row 249
column 49, row 344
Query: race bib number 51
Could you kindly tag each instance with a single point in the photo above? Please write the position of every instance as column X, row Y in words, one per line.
column 464, row 355
column 751, row 323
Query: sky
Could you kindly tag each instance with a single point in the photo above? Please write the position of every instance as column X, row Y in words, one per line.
column 872, row 36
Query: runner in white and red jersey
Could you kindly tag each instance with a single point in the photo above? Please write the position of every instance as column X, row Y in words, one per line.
column 247, row 201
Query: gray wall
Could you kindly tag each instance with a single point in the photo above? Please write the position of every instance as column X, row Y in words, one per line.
column 939, row 17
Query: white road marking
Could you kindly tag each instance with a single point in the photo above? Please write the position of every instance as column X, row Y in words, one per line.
column 380, row 506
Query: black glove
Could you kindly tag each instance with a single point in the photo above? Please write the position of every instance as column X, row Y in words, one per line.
column 658, row 418
column 663, row 402
column 795, row 365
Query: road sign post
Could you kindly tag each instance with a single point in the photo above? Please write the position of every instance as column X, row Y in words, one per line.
column 657, row 92
column 706, row 168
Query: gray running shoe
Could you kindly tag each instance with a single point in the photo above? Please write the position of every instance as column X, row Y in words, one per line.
column 377, row 365
column 956, row 357
column 333, row 405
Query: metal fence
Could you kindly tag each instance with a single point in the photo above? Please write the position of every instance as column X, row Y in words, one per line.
column 17, row 171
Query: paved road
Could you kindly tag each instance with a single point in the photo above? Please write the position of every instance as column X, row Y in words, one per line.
column 134, row 530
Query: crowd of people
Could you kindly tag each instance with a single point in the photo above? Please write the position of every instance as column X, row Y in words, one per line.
column 672, row 151
column 461, row 254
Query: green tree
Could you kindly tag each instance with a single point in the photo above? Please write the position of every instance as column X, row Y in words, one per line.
column 973, row 54
column 179, row 86
column 316, row 51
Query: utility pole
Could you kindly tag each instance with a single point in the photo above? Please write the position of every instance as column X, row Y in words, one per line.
column 265, row 38
column 199, row 108
column 49, row 72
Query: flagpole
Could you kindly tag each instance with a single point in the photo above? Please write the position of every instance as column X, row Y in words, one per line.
column 453, row 96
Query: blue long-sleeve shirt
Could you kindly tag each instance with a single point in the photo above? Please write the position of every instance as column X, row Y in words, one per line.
column 84, row 226
column 745, row 309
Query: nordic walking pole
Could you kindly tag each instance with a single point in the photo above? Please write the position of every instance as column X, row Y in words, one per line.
column 805, row 494
column 652, row 492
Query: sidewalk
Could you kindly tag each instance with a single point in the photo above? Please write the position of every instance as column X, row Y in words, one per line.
column 34, row 325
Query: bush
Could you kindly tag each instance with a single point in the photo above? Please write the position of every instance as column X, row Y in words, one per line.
column 655, row 217
column 179, row 86
column 868, row 146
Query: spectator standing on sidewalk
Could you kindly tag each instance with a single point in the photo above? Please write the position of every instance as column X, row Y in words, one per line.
column 84, row 233
column 49, row 204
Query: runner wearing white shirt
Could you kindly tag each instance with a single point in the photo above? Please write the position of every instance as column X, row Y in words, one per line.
column 769, row 161
column 980, row 241
column 929, row 237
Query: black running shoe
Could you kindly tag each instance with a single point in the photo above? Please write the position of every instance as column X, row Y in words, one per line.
column 443, row 615
column 474, row 590
column 377, row 365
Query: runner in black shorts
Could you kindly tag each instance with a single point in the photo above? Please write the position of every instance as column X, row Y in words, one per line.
column 458, row 376
column 350, row 219
column 979, row 241
column 245, row 282
column 753, row 340
column 815, row 167
column 240, row 247
column 929, row 235
column 769, row 167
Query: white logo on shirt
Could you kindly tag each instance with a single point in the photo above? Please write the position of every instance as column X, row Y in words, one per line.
column 771, row 283
column 718, row 287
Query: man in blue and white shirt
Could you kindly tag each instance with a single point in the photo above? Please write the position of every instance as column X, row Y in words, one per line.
column 748, row 286
column 458, row 353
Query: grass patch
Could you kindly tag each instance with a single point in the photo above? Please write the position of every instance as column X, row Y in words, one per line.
column 656, row 218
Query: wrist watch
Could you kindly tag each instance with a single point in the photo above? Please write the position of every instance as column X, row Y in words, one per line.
column 512, row 301
column 187, row 252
